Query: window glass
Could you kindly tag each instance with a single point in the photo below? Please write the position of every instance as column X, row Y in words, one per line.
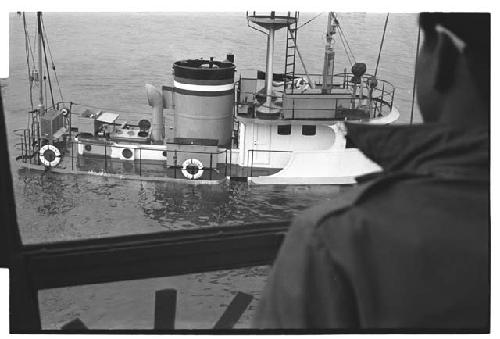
column 309, row 130
column 284, row 129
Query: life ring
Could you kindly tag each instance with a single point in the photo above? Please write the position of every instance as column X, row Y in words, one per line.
column 301, row 83
column 192, row 169
column 50, row 155
column 65, row 111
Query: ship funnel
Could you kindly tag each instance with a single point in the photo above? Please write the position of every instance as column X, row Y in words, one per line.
column 203, row 93
column 155, row 100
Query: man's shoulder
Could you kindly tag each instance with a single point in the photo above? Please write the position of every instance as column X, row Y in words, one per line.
column 346, row 207
column 337, row 204
column 344, row 201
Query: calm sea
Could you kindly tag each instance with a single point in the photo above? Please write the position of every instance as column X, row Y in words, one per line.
column 104, row 60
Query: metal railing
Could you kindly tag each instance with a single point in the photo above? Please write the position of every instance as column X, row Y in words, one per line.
column 140, row 162
column 380, row 98
column 100, row 157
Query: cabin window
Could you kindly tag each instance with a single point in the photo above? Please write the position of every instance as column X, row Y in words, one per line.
column 284, row 129
column 309, row 130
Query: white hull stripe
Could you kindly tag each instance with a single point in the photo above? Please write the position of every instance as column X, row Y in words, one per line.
column 204, row 88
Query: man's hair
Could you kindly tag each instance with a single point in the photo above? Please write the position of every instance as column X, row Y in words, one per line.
column 475, row 30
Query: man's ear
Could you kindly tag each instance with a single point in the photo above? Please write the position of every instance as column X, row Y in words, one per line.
column 447, row 56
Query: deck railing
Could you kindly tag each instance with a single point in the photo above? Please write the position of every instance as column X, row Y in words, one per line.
column 216, row 164
column 381, row 96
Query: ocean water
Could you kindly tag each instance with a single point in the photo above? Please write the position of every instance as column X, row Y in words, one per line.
column 104, row 60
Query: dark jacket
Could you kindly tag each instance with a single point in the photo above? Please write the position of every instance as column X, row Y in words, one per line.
column 406, row 250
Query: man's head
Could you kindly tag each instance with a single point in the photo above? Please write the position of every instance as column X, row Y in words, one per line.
column 453, row 68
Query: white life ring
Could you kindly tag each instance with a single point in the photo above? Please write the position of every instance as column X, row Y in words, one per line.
column 48, row 159
column 189, row 163
column 301, row 84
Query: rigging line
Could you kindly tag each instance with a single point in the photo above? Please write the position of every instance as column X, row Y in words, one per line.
column 346, row 43
column 343, row 39
column 44, row 86
column 28, row 62
column 305, row 23
column 343, row 36
column 259, row 30
column 48, row 73
column 415, row 78
column 345, row 49
column 381, row 44
column 52, row 60
column 27, row 36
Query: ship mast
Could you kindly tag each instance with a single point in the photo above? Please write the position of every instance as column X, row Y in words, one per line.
column 328, row 65
column 40, row 64
column 271, row 23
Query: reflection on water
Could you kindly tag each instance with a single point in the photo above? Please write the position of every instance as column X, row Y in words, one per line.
column 55, row 207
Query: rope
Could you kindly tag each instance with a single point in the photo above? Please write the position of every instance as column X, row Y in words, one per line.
column 415, row 78
column 345, row 49
column 44, row 86
column 28, row 48
column 343, row 36
column 381, row 43
column 258, row 30
column 48, row 73
column 52, row 61
column 308, row 21
column 26, row 33
column 344, row 41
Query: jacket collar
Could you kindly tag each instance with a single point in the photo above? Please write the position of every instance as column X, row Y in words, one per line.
column 430, row 149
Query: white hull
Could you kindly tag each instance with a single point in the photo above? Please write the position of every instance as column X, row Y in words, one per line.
column 322, row 167
column 337, row 166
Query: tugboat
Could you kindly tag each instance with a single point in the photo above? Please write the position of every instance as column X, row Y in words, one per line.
column 274, row 128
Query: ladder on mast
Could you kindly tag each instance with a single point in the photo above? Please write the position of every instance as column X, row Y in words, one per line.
column 291, row 43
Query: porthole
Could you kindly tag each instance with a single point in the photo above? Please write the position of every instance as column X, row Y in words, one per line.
column 127, row 154
column 88, row 148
